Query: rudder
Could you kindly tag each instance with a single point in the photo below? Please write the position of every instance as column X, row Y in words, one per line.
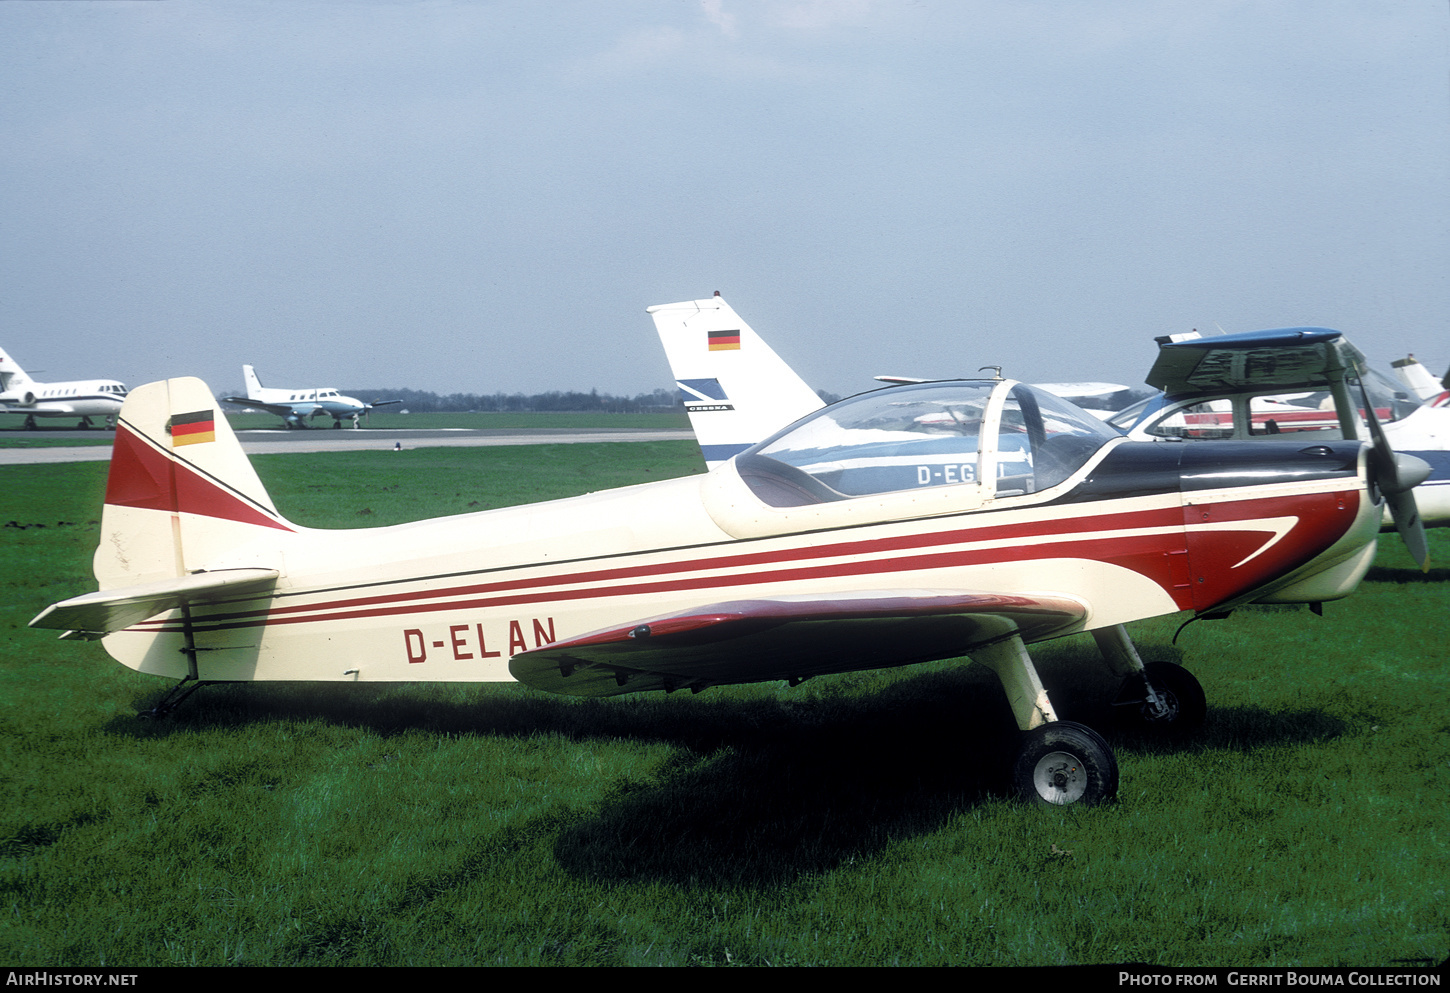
column 736, row 389
column 181, row 492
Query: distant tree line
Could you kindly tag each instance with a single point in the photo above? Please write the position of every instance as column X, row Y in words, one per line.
column 421, row 401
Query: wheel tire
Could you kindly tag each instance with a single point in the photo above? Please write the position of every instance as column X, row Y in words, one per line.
column 1065, row 763
column 1180, row 690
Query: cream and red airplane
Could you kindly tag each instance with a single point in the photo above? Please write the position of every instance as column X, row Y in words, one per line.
column 83, row 398
column 921, row 522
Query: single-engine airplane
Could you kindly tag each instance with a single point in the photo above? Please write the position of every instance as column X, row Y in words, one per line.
column 933, row 521
column 1289, row 382
column 296, row 406
column 1418, row 380
column 83, row 398
column 1251, row 385
column 737, row 390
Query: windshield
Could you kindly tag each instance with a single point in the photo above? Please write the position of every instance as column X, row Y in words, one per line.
column 925, row 435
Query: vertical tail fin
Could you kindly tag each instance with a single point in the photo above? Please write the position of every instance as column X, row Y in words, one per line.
column 253, row 384
column 736, row 390
column 181, row 492
column 11, row 375
column 1416, row 377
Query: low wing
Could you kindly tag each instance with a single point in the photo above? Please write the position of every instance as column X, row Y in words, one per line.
column 788, row 637
column 381, row 403
column 88, row 617
column 280, row 409
column 1286, row 359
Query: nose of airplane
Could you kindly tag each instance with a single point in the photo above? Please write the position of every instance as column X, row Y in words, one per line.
column 1396, row 476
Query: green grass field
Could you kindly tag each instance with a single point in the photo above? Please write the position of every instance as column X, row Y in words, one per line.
column 861, row 819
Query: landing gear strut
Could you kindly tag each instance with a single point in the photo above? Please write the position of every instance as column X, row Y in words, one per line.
column 1060, row 762
column 1164, row 697
column 190, row 683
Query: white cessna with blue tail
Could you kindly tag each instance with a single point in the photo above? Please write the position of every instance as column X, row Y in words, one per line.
column 737, row 390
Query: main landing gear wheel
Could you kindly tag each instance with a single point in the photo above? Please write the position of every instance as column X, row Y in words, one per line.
column 1177, row 703
column 1062, row 763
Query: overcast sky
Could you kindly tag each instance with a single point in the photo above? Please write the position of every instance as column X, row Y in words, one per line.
column 485, row 196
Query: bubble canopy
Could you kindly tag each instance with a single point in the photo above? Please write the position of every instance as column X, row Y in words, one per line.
column 1003, row 437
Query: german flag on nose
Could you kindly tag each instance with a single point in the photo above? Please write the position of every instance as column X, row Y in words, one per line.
column 193, row 429
column 721, row 341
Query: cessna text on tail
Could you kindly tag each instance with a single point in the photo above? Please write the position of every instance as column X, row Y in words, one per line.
column 81, row 398
column 733, row 385
column 296, row 406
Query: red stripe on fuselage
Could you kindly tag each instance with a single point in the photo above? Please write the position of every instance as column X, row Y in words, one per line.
column 392, row 603
column 1216, row 557
column 1321, row 520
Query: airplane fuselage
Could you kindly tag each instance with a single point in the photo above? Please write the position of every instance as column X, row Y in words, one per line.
column 1143, row 530
column 78, row 398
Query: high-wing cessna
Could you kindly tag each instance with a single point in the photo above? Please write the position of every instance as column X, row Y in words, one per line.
column 296, row 406
column 931, row 521
column 1290, row 382
column 83, row 398
column 737, row 390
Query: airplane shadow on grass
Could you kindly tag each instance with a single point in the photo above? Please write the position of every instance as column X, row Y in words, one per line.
column 762, row 790
column 1389, row 574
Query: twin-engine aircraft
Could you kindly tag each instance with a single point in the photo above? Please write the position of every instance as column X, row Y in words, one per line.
column 296, row 406
column 82, row 398
column 930, row 521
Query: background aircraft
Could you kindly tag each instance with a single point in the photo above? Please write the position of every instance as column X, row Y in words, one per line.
column 1418, row 380
column 83, row 398
column 899, row 526
column 296, row 406
column 1309, row 384
column 1274, row 392
column 735, row 389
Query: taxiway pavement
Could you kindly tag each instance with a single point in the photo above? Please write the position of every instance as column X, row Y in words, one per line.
column 274, row 442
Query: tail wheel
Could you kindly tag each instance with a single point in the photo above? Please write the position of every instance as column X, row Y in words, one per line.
column 1062, row 763
column 1180, row 705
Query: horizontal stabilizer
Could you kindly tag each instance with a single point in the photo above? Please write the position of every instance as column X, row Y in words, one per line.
column 94, row 615
column 788, row 637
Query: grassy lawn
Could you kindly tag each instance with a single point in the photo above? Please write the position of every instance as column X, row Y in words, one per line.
column 860, row 819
